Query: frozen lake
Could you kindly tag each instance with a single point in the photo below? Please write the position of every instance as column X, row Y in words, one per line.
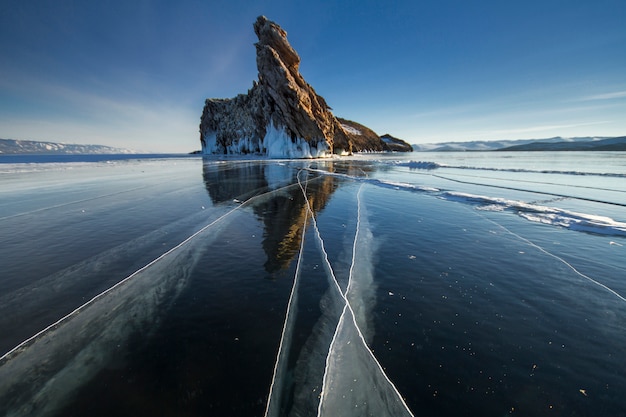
column 426, row 284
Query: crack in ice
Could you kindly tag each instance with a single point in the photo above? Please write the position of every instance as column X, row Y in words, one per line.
column 77, row 310
column 570, row 266
column 347, row 309
column 288, row 324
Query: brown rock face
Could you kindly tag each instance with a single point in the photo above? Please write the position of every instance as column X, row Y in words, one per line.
column 297, row 106
column 281, row 116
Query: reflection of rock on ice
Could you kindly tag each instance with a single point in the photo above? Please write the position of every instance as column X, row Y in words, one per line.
column 282, row 209
column 352, row 382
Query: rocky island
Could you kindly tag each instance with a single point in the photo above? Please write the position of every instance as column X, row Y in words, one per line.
column 282, row 116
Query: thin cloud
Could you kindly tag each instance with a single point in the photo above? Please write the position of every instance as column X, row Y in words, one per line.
column 90, row 117
column 541, row 128
column 606, row 96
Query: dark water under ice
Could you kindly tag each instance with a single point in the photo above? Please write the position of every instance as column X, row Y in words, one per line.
column 428, row 284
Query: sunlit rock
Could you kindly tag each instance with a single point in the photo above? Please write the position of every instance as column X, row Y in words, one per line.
column 281, row 115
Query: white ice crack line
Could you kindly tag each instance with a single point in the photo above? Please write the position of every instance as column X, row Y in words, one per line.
column 129, row 277
column 570, row 266
column 347, row 306
column 292, row 297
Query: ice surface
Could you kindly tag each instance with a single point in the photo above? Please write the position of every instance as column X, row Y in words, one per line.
column 544, row 214
column 537, row 213
column 429, row 165
column 39, row 375
column 353, row 383
column 326, row 366
column 276, row 175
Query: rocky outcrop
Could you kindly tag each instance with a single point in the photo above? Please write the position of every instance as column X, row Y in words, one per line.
column 393, row 144
column 365, row 139
column 281, row 115
column 361, row 137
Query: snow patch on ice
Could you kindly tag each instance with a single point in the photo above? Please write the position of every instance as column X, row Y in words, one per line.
column 418, row 164
column 403, row 186
column 543, row 214
column 578, row 221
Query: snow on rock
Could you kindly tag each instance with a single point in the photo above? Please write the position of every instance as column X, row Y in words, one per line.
column 351, row 129
column 277, row 144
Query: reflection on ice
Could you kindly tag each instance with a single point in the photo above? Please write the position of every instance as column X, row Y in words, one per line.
column 314, row 228
column 282, row 211
column 353, row 382
column 39, row 376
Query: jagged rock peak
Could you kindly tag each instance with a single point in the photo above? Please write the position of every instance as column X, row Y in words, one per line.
column 281, row 116
column 272, row 35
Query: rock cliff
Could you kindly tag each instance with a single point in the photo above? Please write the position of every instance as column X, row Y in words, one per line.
column 281, row 115
column 394, row 144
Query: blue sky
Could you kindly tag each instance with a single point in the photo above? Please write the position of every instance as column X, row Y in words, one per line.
column 135, row 74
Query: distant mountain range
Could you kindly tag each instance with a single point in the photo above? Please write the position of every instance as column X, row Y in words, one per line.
column 552, row 144
column 13, row 147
